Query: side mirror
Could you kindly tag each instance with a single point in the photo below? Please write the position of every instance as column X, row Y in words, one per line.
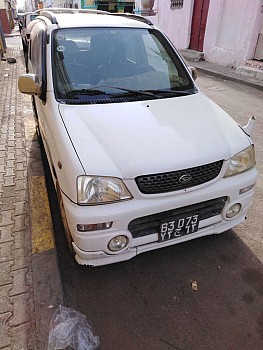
column 29, row 84
column 193, row 72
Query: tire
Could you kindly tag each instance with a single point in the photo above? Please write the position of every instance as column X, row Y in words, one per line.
column 35, row 117
column 64, row 220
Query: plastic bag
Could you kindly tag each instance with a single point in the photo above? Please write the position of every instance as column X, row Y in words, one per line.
column 70, row 328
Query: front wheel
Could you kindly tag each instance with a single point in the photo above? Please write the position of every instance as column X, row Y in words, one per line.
column 64, row 220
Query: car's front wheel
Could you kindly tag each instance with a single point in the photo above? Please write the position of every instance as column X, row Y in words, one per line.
column 64, row 220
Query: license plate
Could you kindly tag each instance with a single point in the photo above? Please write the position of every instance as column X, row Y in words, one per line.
column 179, row 227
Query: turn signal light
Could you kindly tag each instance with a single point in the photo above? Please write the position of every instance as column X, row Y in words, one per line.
column 93, row 227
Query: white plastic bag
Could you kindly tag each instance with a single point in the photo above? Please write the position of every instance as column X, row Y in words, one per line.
column 70, row 328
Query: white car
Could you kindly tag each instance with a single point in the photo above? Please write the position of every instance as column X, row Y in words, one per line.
column 141, row 159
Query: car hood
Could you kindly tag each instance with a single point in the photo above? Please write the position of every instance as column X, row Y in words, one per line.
column 137, row 138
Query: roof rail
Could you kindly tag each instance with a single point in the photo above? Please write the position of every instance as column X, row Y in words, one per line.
column 132, row 16
column 69, row 10
column 50, row 13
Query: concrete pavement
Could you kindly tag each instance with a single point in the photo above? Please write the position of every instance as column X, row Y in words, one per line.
column 241, row 76
column 30, row 285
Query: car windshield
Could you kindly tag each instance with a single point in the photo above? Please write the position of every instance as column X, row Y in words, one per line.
column 86, row 59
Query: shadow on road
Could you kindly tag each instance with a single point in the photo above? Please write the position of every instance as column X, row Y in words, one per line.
column 149, row 303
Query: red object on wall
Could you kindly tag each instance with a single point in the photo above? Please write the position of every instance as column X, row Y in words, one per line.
column 5, row 22
column 199, row 19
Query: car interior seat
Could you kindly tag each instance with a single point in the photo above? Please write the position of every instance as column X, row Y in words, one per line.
column 117, row 65
column 70, row 51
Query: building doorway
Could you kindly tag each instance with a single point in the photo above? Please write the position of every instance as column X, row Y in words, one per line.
column 199, row 19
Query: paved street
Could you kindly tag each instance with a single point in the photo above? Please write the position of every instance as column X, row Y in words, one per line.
column 242, row 102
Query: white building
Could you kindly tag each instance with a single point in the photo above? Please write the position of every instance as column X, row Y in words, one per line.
column 228, row 32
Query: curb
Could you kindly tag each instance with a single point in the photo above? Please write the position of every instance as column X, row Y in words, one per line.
column 248, row 82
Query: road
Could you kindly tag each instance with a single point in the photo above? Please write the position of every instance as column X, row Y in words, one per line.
column 149, row 302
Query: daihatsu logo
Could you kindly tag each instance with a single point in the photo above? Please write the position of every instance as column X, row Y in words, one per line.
column 185, row 178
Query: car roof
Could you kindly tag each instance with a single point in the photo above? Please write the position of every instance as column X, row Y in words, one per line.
column 95, row 19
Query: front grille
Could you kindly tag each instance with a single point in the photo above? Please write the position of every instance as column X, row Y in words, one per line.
column 147, row 225
column 173, row 181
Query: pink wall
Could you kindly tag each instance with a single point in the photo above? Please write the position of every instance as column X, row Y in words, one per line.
column 174, row 23
column 232, row 31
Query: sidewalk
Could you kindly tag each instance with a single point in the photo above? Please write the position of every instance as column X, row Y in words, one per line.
column 219, row 71
column 30, row 286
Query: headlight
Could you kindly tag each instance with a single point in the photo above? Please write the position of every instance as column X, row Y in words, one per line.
column 94, row 190
column 242, row 161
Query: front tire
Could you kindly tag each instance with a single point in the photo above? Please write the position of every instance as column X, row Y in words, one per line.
column 64, row 220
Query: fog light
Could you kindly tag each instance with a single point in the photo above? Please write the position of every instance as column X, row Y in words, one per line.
column 93, row 227
column 118, row 243
column 233, row 210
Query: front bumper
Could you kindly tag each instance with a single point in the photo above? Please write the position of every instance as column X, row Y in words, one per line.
column 91, row 248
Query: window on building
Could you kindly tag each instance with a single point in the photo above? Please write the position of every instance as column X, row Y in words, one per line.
column 177, row 4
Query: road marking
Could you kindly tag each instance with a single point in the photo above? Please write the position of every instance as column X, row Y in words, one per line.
column 42, row 238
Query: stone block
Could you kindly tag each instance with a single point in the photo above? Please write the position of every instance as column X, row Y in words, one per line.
column 6, row 251
column 5, row 303
column 21, row 257
column 8, row 181
column 19, row 222
column 19, row 282
column 6, row 233
column 20, row 337
column 6, row 218
column 5, row 335
column 21, row 237
column 5, row 273
column 20, row 314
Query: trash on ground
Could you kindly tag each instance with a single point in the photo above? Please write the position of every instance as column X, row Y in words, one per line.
column 194, row 285
column 70, row 328
column 11, row 60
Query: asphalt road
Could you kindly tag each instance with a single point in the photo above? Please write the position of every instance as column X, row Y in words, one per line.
column 149, row 302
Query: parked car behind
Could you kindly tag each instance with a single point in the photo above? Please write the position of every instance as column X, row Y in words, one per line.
column 24, row 32
column 140, row 158
column 20, row 17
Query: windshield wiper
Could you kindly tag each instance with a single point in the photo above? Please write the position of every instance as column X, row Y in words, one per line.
column 151, row 93
column 175, row 92
column 90, row 92
column 129, row 91
column 95, row 92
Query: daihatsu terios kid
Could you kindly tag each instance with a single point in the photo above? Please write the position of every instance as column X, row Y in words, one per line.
column 141, row 159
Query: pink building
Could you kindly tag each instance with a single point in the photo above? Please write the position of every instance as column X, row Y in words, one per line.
column 228, row 32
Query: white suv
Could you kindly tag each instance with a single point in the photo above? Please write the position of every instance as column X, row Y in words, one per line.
column 141, row 159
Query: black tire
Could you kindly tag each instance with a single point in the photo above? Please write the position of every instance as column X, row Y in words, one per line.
column 64, row 220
